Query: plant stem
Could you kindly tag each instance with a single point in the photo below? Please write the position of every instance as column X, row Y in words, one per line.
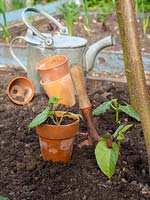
column 4, row 25
column 87, row 18
column 117, row 116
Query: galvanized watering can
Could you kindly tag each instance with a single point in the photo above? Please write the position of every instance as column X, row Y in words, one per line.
column 42, row 45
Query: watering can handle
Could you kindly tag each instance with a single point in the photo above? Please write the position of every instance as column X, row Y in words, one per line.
column 48, row 41
column 12, row 52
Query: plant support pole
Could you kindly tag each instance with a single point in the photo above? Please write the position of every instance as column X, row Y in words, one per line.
column 133, row 65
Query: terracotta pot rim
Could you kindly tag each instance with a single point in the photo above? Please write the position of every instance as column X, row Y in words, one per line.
column 59, row 132
column 15, row 101
column 47, row 60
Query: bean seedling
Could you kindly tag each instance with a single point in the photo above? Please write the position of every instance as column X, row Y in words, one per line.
column 50, row 112
column 107, row 150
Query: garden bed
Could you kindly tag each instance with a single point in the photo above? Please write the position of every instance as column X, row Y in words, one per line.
column 25, row 176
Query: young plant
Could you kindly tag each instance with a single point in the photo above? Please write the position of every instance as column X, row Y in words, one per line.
column 145, row 23
column 4, row 25
column 138, row 5
column 105, row 9
column 17, row 4
column 142, row 6
column 145, row 20
column 87, row 18
column 50, row 112
column 107, row 150
column 126, row 108
column 3, row 5
column 70, row 13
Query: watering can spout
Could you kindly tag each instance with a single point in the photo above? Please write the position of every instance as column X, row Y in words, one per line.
column 94, row 49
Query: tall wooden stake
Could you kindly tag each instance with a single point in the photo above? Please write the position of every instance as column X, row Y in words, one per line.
column 133, row 65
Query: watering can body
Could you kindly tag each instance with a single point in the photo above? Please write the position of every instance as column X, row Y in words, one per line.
column 43, row 45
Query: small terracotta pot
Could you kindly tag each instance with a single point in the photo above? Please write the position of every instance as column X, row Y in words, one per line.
column 56, row 142
column 62, row 88
column 53, row 68
column 20, row 90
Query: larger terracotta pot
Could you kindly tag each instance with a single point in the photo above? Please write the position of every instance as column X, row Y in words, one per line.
column 56, row 142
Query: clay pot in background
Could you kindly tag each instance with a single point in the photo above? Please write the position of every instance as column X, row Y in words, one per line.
column 20, row 90
column 56, row 142
column 62, row 88
column 53, row 68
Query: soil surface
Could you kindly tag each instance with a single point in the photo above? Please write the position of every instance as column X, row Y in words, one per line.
column 24, row 174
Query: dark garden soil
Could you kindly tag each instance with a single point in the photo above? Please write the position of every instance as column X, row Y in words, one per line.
column 25, row 176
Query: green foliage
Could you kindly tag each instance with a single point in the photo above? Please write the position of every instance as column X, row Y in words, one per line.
column 54, row 101
column 94, row 3
column 138, row 3
column 145, row 20
column 142, row 4
column 35, row 2
column 102, row 108
column 50, row 112
column 70, row 13
column 4, row 26
column 127, row 108
column 17, row 4
column 145, row 23
column 87, row 18
column 3, row 198
column 121, row 130
column 39, row 119
column 105, row 9
column 107, row 157
column 3, row 5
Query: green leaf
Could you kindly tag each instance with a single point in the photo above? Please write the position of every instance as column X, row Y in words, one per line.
column 53, row 100
column 2, row 26
column 106, row 135
column 71, row 114
column 120, row 137
column 102, row 108
column 128, row 109
column 3, row 198
column 39, row 119
column 107, row 158
column 119, row 133
column 4, row 16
